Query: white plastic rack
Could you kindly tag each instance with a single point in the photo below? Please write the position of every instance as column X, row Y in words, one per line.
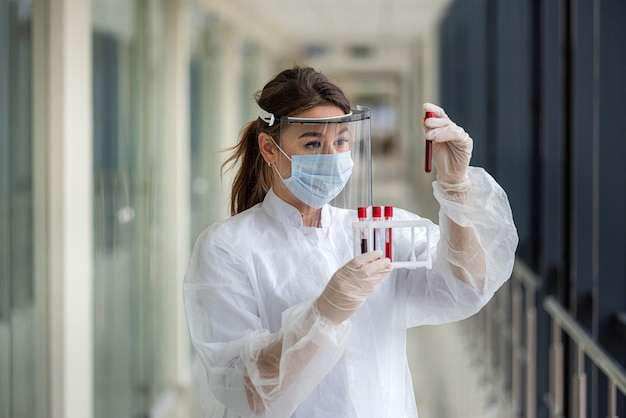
column 369, row 226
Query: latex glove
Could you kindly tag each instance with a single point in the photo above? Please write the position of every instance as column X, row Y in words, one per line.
column 350, row 286
column 452, row 149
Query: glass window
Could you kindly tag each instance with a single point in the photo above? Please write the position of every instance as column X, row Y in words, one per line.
column 128, row 65
column 207, row 203
column 19, row 395
column 250, row 79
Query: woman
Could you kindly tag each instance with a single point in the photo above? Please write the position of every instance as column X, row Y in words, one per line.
column 284, row 320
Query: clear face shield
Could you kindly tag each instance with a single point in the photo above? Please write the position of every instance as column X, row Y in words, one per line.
column 330, row 159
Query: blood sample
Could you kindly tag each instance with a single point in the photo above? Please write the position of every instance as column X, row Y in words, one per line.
column 362, row 214
column 388, row 235
column 376, row 214
column 428, row 153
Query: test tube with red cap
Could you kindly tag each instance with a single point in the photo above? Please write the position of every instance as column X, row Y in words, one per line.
column 428, row 153
column 378, row 236
column 388, row 233
column 362, row 215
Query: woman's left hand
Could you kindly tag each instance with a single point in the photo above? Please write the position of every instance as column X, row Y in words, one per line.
column 452, row 147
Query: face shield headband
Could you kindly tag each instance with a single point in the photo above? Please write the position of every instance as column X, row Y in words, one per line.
column 330, row 157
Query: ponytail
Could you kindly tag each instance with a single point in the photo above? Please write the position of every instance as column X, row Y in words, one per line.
column 253, row 178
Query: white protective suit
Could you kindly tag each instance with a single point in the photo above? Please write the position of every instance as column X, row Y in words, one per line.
column 252, row 282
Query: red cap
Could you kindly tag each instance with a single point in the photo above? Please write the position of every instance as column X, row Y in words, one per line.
column 376, row 212
column 388, row 211
column 429, row 115
column 362, row 212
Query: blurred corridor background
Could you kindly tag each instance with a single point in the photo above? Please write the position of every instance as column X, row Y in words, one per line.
column 112, row 116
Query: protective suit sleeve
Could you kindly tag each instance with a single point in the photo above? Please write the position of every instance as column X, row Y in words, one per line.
column 473, row 257
column 251, row 371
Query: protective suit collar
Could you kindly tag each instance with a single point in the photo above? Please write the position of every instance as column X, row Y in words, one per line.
column 283, row 212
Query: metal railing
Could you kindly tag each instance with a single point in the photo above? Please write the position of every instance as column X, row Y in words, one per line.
column 506, row 330
column 524, row 302
column 584, row 345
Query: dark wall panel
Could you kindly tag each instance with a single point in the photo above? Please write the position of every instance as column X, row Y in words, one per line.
column 540, row 86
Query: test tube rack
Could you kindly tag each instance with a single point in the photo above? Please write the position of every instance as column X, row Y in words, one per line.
column 370, row 226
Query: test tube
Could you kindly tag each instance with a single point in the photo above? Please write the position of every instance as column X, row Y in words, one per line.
column 378, row 236
column 362, row 215
column 388, row 233
column 428, row 153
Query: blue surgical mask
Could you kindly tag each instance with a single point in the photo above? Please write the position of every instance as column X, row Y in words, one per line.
column 316, row 179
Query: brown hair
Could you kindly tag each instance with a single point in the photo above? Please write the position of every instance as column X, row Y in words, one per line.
column 291, row 92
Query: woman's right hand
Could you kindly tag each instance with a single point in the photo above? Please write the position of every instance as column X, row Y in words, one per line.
column 452, row 149
column 350, row 286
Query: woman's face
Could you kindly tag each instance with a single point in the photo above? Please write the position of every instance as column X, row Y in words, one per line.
column 306, row 139
column 323, row 138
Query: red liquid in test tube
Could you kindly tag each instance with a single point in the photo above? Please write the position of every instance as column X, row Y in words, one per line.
column 428, row 153
column 388, row 235
column 376, row 214
column 362, row 215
